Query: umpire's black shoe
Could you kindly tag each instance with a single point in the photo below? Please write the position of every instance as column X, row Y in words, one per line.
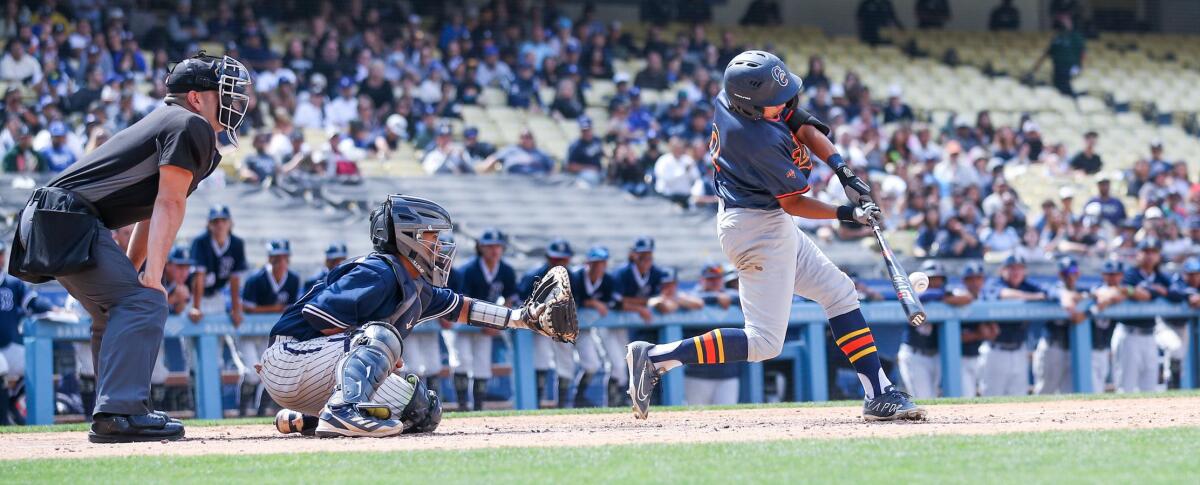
column 119, row 428
column 892, row 405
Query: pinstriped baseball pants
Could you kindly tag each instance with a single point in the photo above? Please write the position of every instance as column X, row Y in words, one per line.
column 301, row 376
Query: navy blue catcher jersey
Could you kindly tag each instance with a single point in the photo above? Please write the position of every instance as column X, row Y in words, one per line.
column 316, row 278
column 757, row 162
column 480, row 284
column 371, row 288
column 630, row 283
column 218, row 263
column 261, row 289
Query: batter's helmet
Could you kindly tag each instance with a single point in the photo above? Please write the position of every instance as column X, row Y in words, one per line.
column 754, row 79
column 397, row 226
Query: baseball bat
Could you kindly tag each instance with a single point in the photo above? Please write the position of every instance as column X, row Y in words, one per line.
column 904, row 291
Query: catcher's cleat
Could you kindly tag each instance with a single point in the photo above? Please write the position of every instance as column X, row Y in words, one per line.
column 288, row 422
column 642, row 377
column 353, row 420
column 892, row 405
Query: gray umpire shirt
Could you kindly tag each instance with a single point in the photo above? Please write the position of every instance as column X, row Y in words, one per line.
column 120, row 177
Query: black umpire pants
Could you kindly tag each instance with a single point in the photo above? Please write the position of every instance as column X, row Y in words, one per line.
column 127, row 325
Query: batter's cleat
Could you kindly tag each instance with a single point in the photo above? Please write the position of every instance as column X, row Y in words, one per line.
column 892, row 405
column 288, row 422
column 349, row 420
column 120, row 428
column 642, row 377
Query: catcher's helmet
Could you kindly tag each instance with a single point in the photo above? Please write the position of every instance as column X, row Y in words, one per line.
column 754, row 79
column 397, row 226
column 225, row 75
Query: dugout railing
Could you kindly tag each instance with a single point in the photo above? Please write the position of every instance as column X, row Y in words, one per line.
column 807, row 354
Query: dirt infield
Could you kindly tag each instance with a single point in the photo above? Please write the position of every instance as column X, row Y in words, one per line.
column 662, row 427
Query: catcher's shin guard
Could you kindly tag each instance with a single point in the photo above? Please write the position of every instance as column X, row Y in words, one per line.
column 375, row 351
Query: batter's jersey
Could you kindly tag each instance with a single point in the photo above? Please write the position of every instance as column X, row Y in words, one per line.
column 583, row 289
column 120, row 177
column 490, row 286
column 261, row 289
column 631, row 283
column 757, row 162
column 218, row 262
column 375, row 287
column 16, row 301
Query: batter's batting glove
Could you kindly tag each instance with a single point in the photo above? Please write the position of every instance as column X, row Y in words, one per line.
column 857, row 191
column 867, row 214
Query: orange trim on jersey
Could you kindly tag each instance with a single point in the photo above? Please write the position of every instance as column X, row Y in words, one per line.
column 789, row 194
column 858, row 343
column 709, row 349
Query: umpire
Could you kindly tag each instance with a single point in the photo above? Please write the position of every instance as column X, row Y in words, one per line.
column 141, row 176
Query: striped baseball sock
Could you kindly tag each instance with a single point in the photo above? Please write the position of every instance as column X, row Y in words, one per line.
column 853, row 336
column 716, row 347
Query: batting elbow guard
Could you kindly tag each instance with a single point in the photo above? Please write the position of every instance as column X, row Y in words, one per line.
column 797, row 117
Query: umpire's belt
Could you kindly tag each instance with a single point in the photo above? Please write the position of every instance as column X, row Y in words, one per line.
column 63, row 227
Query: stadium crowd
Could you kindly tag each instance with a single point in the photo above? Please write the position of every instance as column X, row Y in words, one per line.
column 76, row 73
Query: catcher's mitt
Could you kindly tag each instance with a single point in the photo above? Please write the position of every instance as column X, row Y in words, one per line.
column 550, row 309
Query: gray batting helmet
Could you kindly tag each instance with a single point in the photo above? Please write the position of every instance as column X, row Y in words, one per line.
column 397, row 226
column 754, row 79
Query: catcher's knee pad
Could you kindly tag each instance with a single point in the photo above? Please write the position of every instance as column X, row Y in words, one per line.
column 374, row 352
column 423, row 412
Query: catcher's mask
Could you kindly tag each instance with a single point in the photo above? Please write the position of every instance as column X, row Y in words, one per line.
column 225, row 75
column 399, row 226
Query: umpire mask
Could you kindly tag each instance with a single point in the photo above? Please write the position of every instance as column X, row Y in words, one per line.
column 225, row 75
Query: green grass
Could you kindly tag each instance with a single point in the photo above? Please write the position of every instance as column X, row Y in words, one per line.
column 1130, row 456
column 657, row 409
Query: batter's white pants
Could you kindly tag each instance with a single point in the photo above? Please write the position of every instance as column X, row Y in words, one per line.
column 922, row 373
column 710, row 392
column 1135, row 361
column 1051, row 369
column 970, row 376
column 774, row 261
column 589, row 348
column 422, row 354
column 1003, row 372
column 1101, row 363
column 470, row 353
column 301, row 376
column 549, row 354
column 614, row 341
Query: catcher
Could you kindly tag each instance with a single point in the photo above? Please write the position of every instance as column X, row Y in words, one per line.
column 334, row 352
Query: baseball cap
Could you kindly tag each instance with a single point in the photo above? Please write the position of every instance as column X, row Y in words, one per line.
column 345, row 82
column 621, row 77
column 712, row 269
column 336, row 250
column 933, row 269
column 1149, row 244
column 1066, row 193
column 597, row 254
column 58, row 128
column 559, row 248
column 492, row 236
column 1014, row 259
column 444, row 130
column 1112, row 266
column 179, row 255
column 279, row 247
column 973, row 268
column 670, row 276
column 491, row 50
column 471, row 132
column 1192, row 265
column 396, row 123
column 1067, row 264
column 1156, row 144
column 219, row 211
column 644, row 244
column 1153, row 213
column 585, row 123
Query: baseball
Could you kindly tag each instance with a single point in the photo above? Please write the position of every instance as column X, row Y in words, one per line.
column 919, row 281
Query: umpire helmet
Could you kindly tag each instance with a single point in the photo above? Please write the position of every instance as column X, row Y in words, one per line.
column 754, row 79
column 397, row 226
column 225, row 75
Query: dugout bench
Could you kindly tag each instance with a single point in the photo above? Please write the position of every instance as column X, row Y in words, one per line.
column 808, row 354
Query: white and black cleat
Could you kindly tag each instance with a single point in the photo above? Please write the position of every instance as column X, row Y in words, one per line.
column 892, row 405
column 642, row 377
column 288, row 422
column 347, row 420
